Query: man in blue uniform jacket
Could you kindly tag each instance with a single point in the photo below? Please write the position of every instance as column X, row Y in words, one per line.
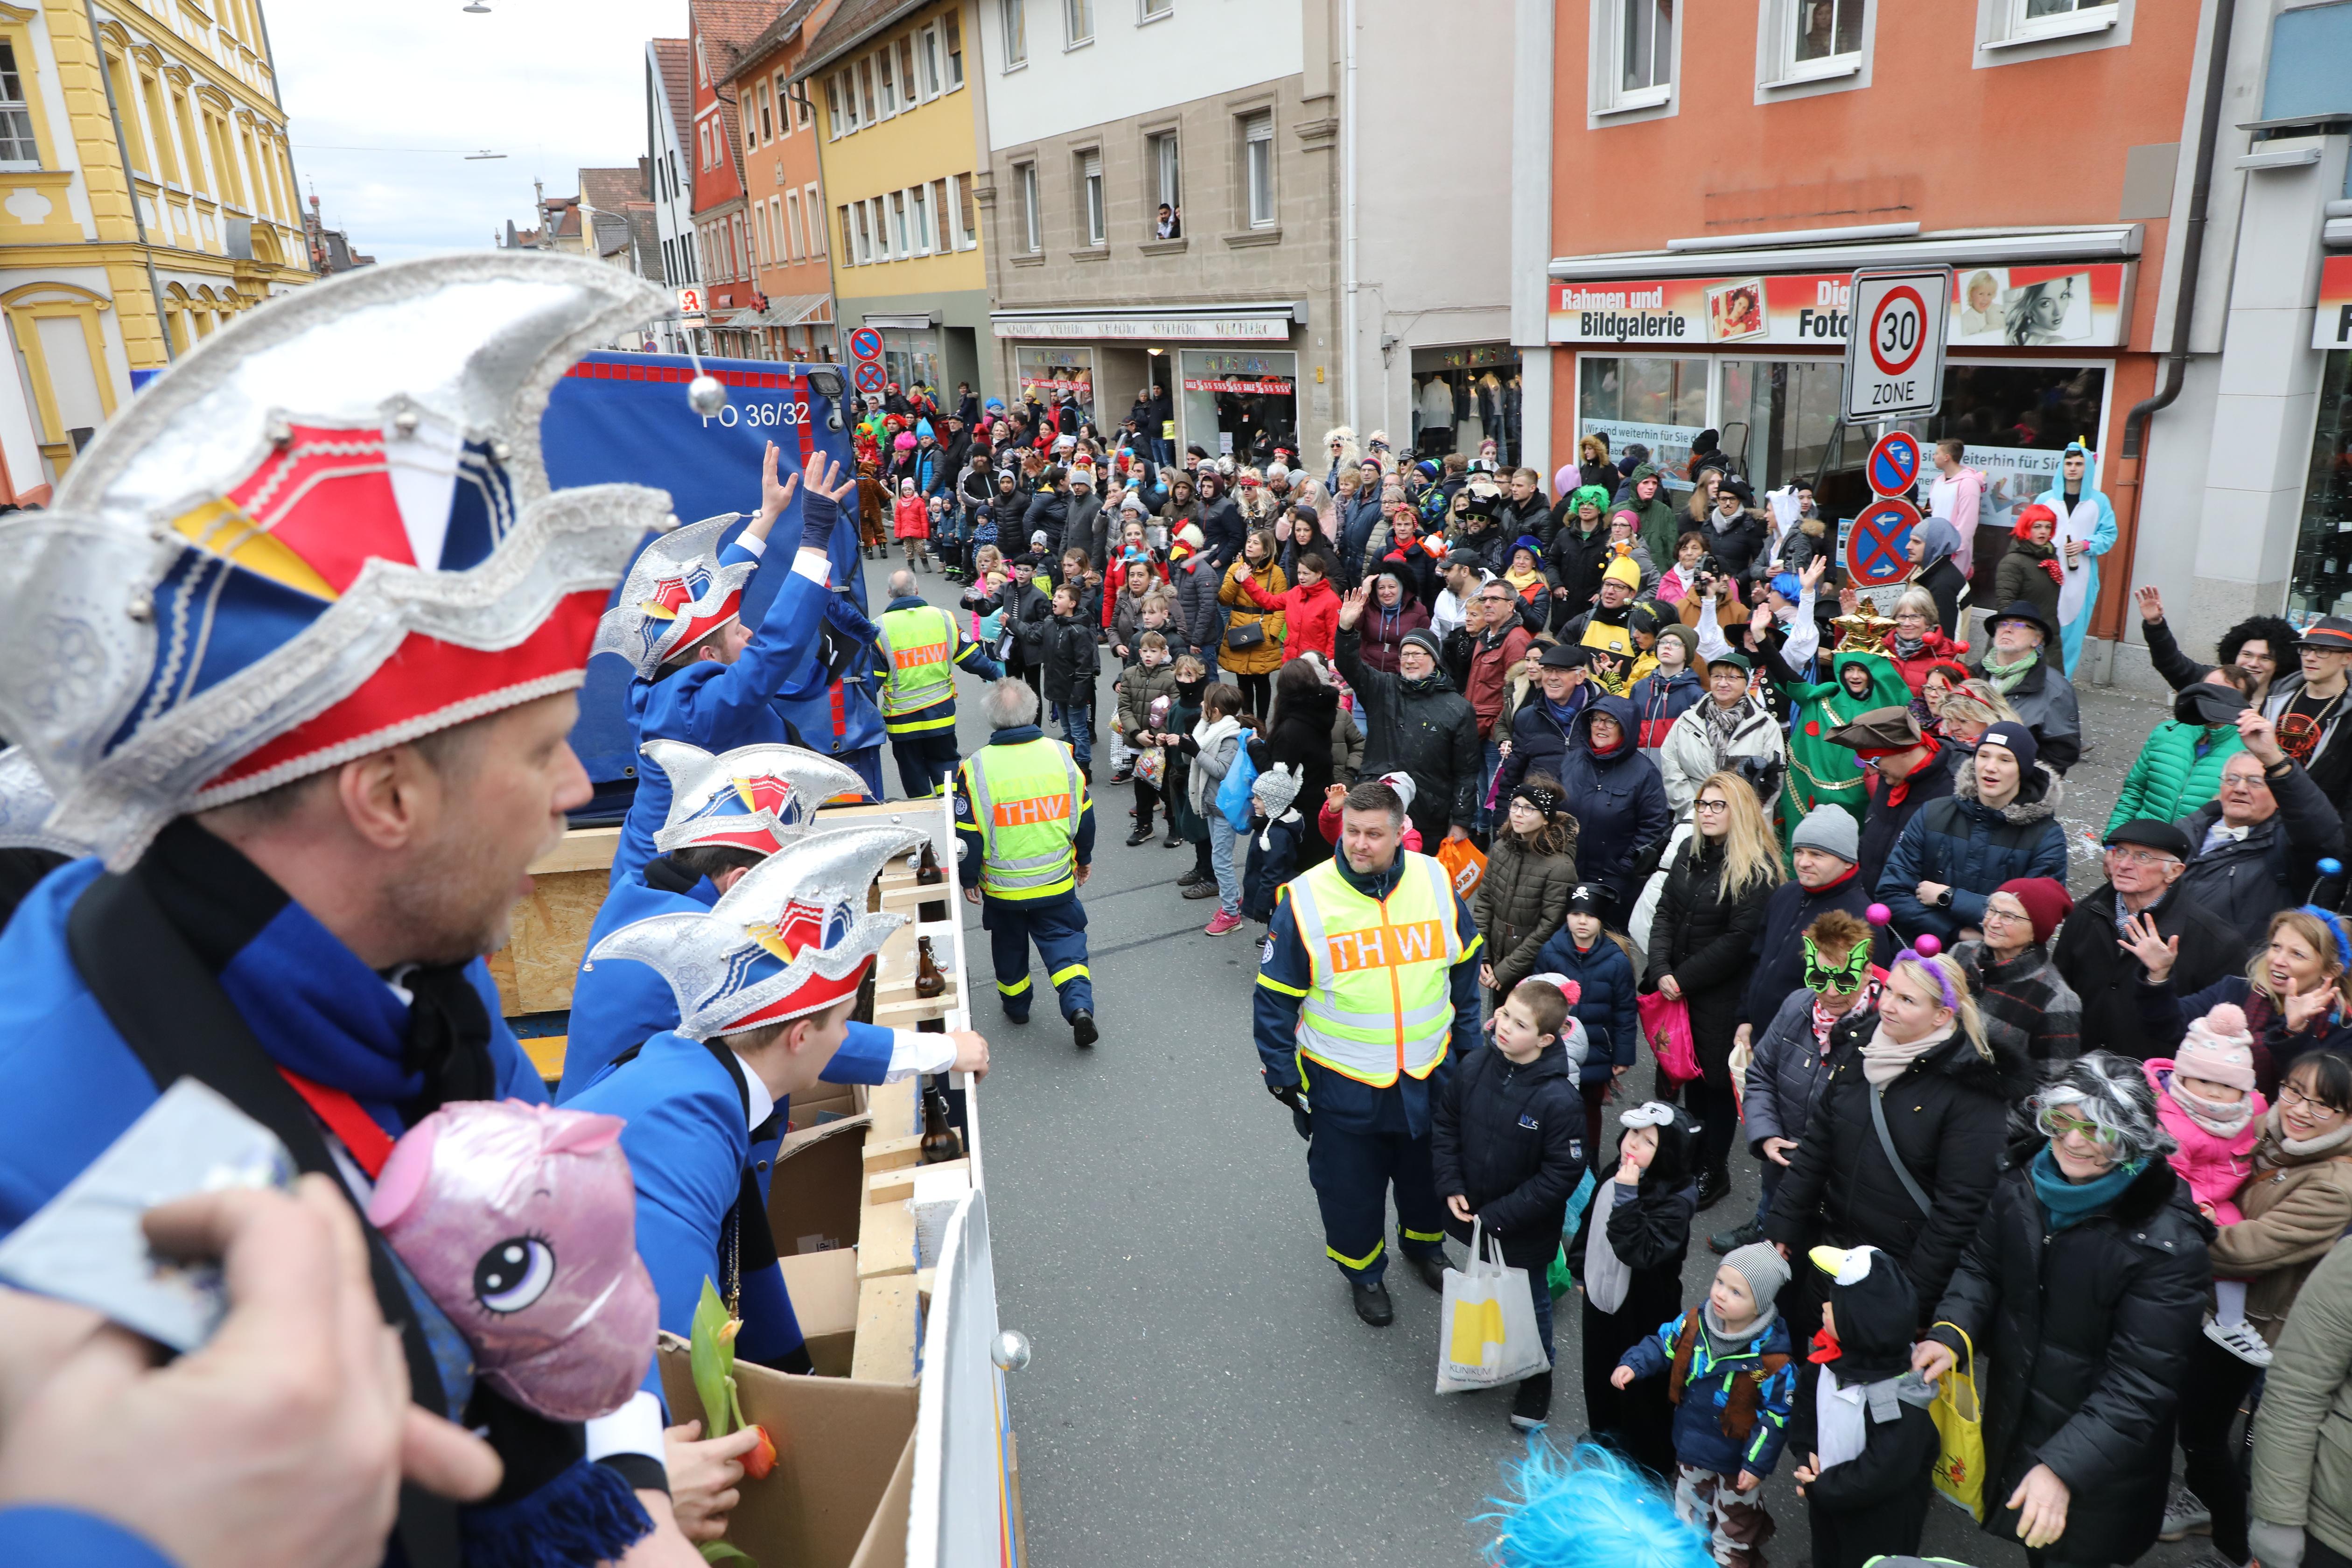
column 764, row 984
column 318, row 759
column 1367, row 995
column 705, row 677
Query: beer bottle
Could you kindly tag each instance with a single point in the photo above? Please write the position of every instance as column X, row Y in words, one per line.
column 939, row 1141
column 929, row 981
column 927, row 870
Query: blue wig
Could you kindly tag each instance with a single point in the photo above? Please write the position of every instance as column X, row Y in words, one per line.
column 1587, row 1510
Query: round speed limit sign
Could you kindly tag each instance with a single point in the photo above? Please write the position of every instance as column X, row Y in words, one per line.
column 1895, row 358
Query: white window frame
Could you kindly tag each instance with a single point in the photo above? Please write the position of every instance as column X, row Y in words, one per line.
column 1778, row 63
column 866, row 98
column 958, row 237
column 927, row 58
column 1033, row 222
column 866, row 257
column 2017, row 28
column 1013, row 16
column 833, row 126
column 886, row 83
column 783, row 105
column 759, row 236
column 951, row 47
column 1257, row 130
column 793, row 225
column 819, row 233
column 1149, row 11
column 906, row 48
column 1077, row 24
column 1167, row 155
column 918, row 202
column 1610, row 96
column 848, row 236
column 1090, row 197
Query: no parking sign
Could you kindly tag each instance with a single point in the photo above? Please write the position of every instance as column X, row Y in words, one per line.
column 869, row 379
column 1893, row 463
column 1876, row 546
column 866, row 343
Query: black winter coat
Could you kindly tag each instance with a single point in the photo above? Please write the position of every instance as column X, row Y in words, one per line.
column 1577, row 559
column 1424, row 727
column 2108, row 980
column 2089, row 1330
column 1071, row 662
column 1946, row 584
column 1882, row 823
column 1739, row 549
column 1049, row 510
column 1620, row 804
column 2245, row 882
column 1946, row 1115
column 1538, row 744
column 1780, row 953
column 1302, row 737
column 1197, row 610
column 1222, row 530
column 1509, row 1140
column 1702, row 936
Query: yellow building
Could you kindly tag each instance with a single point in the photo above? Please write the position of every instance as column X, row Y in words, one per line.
column 897, row 93
column 146, row 197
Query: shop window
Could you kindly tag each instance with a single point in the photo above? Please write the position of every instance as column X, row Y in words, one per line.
column 1090, row 188
column 1776, row 416
column 1257, row 167
column 1048, row 372
column 1240, row 402
column 2322, row 583
column 1656, row 401
column 1016, row 33
column 2015, row 419
column 953, row 22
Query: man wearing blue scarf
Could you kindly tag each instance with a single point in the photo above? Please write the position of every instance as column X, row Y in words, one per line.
column 315, row 732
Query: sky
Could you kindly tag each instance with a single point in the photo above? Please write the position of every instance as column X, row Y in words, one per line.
column 556, row 85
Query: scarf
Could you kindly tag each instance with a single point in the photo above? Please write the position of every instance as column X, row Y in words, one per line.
column 1897, row 789
column 1824, row 1020
column 1521, row 582
column 1910, row 647
column 2005, row 677
column 1722, row 1340
column 1208, row 737
column 1884, row 1059
column 2222, row 1119
column 2069, row 1204
column 1722, row 727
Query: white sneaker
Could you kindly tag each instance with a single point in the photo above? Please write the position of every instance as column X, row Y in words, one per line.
column 2240, row 1340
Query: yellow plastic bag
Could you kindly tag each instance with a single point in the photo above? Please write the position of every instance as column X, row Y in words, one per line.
column 1959, row 1423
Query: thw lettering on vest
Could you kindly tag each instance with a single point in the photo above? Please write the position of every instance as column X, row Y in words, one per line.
column 925, row 653
column 1385, row 947
column 1036, row 809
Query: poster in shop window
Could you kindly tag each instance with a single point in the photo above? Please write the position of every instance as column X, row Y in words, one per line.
column 2067, row 305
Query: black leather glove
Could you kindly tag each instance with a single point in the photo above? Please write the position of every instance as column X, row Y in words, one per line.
column 1299, row 1117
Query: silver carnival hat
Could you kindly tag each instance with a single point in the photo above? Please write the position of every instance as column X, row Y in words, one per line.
column 676, row 594
column 753, row 797
column 25, row 803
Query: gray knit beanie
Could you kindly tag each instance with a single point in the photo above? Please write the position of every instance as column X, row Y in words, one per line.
column 1760, row 1264
column 1829, row 829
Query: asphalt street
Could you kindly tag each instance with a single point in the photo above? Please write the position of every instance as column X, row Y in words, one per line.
column 1202, row 1391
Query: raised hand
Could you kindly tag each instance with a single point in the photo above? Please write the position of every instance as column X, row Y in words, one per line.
column 2151, row 604
column 824, row 478
column 2303, row 1008
column 2141, row 940
column 1815, row 570
column 1352, row 605
column 2261, row 736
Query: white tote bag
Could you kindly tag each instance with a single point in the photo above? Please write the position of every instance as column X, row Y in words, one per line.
column 1486, row 1330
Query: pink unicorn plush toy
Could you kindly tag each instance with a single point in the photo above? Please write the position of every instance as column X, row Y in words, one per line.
column 520, row 1223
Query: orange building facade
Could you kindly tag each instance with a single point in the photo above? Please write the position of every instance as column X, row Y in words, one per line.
column 1720, row 167
column 792, row 316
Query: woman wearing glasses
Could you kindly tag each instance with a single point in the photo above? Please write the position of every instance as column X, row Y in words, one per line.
column 2033, row 1019
column 2084, row 1284
column 2294, row 992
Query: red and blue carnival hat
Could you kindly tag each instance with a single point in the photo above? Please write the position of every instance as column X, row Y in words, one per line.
column 790, row 937
column 324, row 532
column 676, row 594
column 754, row 797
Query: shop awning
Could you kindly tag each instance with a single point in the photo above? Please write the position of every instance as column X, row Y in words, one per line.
column 740, row 319
column 903, row 323
column 1952, row 248
column 1250, row 321
column 794, row 308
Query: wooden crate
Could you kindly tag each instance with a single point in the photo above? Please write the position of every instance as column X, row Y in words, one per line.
column 536, row 969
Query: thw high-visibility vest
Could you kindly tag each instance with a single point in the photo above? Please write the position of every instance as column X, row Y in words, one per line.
column 1381, row 1001
column 1026, row 800
column 922, row 642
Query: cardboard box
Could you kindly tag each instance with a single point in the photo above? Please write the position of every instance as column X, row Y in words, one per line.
column 823, row 1288
column 818, row 1193
column 842, row 1449
column 889, row 1323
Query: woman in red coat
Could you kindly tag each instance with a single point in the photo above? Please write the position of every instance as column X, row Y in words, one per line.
column 1310, row 610
column 1918, row 643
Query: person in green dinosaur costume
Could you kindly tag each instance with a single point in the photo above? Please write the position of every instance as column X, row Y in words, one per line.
column 1821, row 773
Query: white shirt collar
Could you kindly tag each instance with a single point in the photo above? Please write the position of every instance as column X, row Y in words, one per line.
column 762, row 1102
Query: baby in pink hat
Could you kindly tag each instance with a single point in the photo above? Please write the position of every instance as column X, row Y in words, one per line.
column 2205, row 1096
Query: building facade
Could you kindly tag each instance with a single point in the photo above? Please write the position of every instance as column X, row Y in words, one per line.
column 784, row 184
column 669, row 142
column 1718, row 298
column 1159, row 209
column 150, row 199
column 717, row 31
column 897, row 93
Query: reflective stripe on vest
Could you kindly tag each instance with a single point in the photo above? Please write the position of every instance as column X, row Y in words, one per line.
column 921, row 641
column 1380, row 1001
column 1024, row 799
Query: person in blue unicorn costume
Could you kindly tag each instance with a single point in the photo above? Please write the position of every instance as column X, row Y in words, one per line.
column 1586, row 1509
column 296, row 653
column 764, row 982
column 2087, row 530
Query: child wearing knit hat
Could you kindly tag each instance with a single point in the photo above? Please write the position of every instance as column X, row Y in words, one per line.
column 1730, row 1375
column 2205, row 1096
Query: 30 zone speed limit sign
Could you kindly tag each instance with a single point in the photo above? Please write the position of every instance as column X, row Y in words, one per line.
column 1894, row 355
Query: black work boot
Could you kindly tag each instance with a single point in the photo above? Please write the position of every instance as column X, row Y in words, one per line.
column 1372, row 1303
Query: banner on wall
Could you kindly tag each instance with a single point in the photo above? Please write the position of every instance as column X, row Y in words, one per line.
column 1264, row 388
column 2331, row 323
column 2013, row 476
column 2061, row 306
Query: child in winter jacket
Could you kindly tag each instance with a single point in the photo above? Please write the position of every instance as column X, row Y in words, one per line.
column 1628, row 1254
column 910, row 522
column 1868, row 1441
column 2205, row 1096
column 1150, row 678
column 1603, row 967
column 1730, row 1377
column 1276, row 829
column 1507, row 1147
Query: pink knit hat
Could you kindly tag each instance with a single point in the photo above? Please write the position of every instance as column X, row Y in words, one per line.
column 2218, row 1048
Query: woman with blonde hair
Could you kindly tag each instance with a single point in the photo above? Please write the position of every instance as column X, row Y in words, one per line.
column 1709, row 912
column 2297, row 991
column 1340, row 443
column 1904, row 1140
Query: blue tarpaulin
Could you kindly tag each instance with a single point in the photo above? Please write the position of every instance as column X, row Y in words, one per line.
column 623, row 418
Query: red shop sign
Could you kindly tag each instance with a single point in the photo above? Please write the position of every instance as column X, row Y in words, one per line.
column 1275, row 388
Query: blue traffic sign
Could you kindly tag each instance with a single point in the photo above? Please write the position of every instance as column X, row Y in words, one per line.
column 1893, row 463
column 1877, row 548
column 866, row 343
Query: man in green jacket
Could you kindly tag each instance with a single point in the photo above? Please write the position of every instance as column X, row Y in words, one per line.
column 1660, row 526
column 2179, row 768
